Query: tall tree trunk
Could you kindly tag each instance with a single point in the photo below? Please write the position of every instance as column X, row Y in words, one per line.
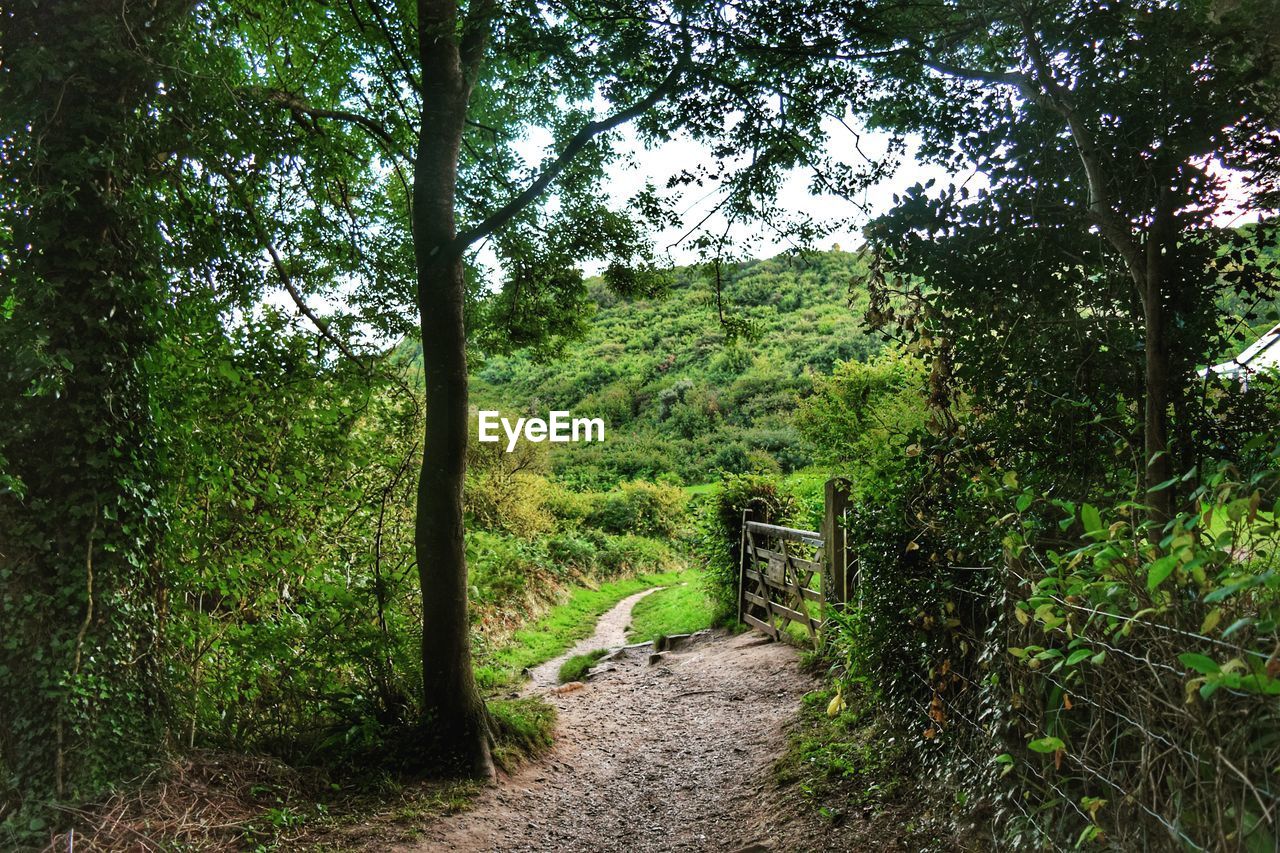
column 454, row 717
column 79, row 275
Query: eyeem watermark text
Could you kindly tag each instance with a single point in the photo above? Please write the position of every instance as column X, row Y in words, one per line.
column 559, row 427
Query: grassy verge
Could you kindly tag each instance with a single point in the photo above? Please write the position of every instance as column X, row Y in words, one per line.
column 522, row 730
column 560, row 629
column 266, row 805
column 681, row 608
column 851, row 769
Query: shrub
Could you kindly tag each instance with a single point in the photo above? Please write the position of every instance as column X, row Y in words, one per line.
column 732, row 458
column 647, row 509
column 719, row 532
column 573, row 551
column 570, row 508
column 864, row 418
column 502, row 566
column 632, row 554
column 506, row 491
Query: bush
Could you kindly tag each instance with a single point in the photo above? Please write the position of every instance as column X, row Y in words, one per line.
column 647, row 509
column 569, row 508
column 573, row 551
column 864, row 418
column 502, row 567
column 719, row 532
column 732, row 458
column 632, row 554
column 506, row 491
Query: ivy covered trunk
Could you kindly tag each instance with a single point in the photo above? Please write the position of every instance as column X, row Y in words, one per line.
column 81, row 303
column 455, row 722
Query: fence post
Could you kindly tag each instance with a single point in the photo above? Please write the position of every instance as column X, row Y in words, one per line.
column 742, row 565
column 836, row 555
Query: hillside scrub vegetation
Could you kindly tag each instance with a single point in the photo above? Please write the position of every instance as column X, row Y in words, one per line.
column 686, row 397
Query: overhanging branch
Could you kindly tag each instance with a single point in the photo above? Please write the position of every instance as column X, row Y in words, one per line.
column 1045, row 92
column 264, row 237
column 296, row 104
column 589, row 131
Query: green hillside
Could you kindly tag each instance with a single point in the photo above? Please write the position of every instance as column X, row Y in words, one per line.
column 680, row 393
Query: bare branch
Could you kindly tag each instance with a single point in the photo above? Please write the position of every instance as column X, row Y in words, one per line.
column 264, row 237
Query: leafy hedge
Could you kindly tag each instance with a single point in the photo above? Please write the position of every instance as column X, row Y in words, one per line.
column 719, row 532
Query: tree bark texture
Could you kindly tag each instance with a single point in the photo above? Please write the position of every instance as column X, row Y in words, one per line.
column 455, row 722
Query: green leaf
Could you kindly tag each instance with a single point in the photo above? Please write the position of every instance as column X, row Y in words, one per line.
column 1237, row 625
column 1089, row 833
column 1160, row 571
column 1200, row 663
column 1077, row 656
column 1091, row 518
column 1046, row 744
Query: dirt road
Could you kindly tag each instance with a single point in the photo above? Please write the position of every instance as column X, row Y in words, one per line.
column 669, row 756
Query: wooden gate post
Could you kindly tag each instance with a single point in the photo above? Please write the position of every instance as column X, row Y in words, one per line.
column 836, row 553
column 742, row 565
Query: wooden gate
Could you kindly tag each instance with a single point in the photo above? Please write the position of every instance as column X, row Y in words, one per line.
column 786, row 574
column 780, row 576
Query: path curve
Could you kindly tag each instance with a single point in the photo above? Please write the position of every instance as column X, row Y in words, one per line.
column 671, row 756
column 611, row 633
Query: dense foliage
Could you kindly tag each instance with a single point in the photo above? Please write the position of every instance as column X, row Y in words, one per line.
column 81, row 306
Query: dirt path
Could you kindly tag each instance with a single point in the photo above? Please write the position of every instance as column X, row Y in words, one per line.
column 661, row 757
column 611, row 633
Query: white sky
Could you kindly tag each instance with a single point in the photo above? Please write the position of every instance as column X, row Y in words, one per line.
column 656, row 165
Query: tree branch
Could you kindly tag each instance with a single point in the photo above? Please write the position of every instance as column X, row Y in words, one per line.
column 295, row 103
column 322, row 326
column 1044, row 91
column 589, row 131
column 1114, row 228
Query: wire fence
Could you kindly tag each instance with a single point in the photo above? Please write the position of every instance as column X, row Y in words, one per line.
column 1119, row 750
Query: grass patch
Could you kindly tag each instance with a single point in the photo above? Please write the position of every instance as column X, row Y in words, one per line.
column 560, row 629
column 852, row 768
column 850, row 747
column 522, row 730
column 576, row 667
column 681, row 608
column 700, row 489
